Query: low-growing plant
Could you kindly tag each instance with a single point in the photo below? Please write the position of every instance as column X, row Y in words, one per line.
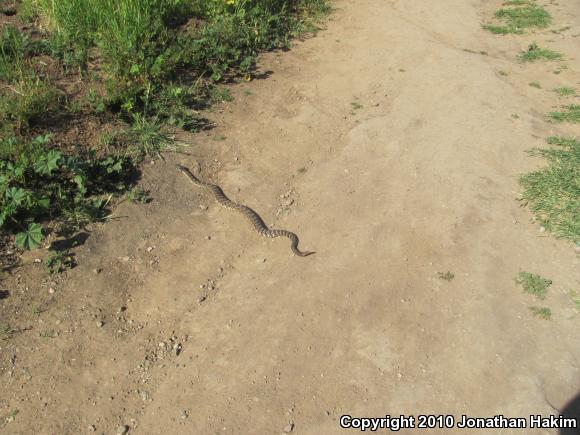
column 517, row 19
column 139, row 195
column 59, row 261
column 147, row 137
column 534, row 284
column 535, row 52
column 553, row 192
column 569, row 113
column 39, row 183
column 565, row 91
column 541, row 312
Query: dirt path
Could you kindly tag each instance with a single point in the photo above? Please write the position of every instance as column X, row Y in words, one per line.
column 179, row 319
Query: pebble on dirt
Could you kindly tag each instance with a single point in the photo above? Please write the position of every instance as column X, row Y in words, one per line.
column 122, row 430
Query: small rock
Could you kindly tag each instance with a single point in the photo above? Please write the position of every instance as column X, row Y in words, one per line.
column 150, row 248
column 202, row 286
column 51, row 290
column 261, row 260
column 177, row 349
column 201, row 299
column 184, row 414
column 91, row 428
column 125, row 258
column 203, row 207
column 37, row 260
column 207, row 237
column 236, row 159
column 100, row 324
column 97, row 271
column 122, row 430
column 161, row 344
column 289, row 428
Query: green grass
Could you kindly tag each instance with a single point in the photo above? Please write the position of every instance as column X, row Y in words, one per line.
column 535, row 53
column 570, row 113
column 25, row 95
column 565, row 91
column 541, row 312
column 553, row 192
column 517, row 19
column 534, row 284
column 144, row 69
column 535, row 85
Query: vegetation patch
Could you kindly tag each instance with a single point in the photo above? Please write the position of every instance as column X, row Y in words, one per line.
column 541, row 312
column 133, row 68
column 553, row 192
column 519, row 16
column 569, row 113
column 565, row 91
column 535, row 53
column 534, row 284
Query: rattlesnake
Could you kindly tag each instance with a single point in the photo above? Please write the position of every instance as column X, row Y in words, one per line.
column 252, row 216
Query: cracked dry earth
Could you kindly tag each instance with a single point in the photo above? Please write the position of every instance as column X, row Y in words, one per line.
column 393, row 153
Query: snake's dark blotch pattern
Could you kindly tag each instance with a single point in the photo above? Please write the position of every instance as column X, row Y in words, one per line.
column 252, row 216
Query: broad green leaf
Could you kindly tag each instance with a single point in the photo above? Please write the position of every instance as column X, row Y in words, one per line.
column 7, row 211
column 80, row 180
column 31, row 238
column 43, row 203
column 47, row 163
column 16, row 196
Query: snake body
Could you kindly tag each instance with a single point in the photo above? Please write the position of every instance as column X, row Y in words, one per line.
column 250, row 214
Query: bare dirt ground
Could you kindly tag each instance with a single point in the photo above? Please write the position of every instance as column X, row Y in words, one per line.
column 180, row 319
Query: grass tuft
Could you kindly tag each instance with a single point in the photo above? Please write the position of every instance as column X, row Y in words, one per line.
column 534, row 53
column 553, row 192
column 570, row 113
column 517, row 19
column 565, row 91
